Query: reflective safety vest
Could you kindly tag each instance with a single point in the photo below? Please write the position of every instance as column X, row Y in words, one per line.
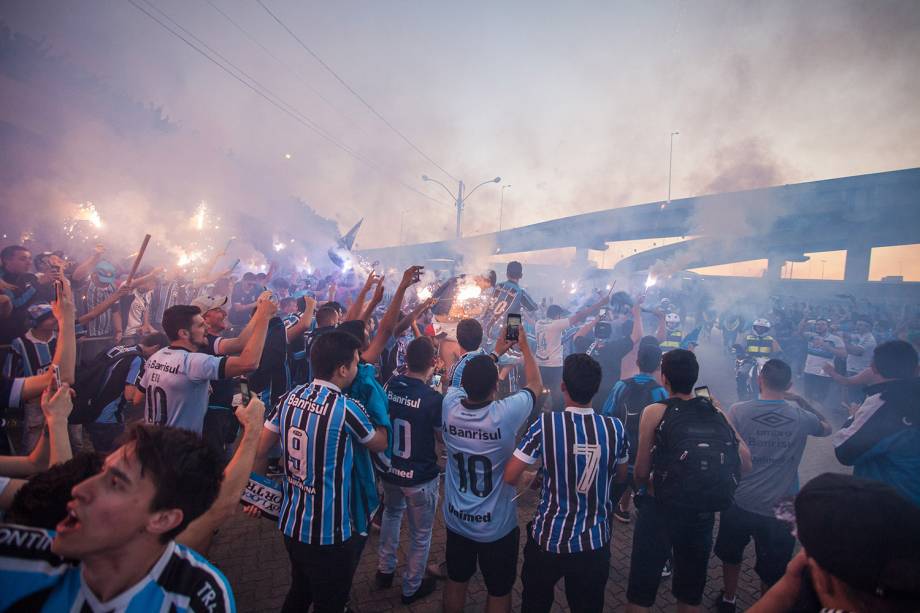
column 758, row 345
column 672, row 340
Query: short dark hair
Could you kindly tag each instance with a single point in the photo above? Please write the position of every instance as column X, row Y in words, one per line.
column 42, row 501
column 681, row 369
column 895, row 359
column 582, row 377
column 337, row 306
column 420, row 354
column 178, row 317
column 185, row 471
column 332, row 350
column 469, row 334
column 10, row 250
column 492, row 277
column 479, row 378
column 514, row 270
column 156, row 339
column 648, row 358
column 777, row 375
column 326, row 315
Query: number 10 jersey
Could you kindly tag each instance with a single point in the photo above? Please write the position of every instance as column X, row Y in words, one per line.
column 480, row 439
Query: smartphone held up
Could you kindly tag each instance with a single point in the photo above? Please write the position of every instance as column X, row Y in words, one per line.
column 513, row 327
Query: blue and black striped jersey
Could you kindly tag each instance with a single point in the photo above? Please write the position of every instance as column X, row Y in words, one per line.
column 580, row 452
column 319, row 427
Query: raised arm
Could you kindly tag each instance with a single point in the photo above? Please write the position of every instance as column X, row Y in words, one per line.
column 57, row 407
column 306, row 319
column 409, row 321
column 82, row 272
column 198, row 534
column 376, row 299
column 532, row 379
column 589, row 310
column 388, row 323
column 105, row 305
column 354, row 310
column 249, row 358
column 65, row 354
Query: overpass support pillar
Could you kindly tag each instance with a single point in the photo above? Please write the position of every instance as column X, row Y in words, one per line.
column 581, row 256
column 774, row 268
column 857, row 264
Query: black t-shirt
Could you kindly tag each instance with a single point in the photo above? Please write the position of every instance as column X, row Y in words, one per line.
column 415, row 413
column 273, row 372
column 222, row 390
column 240, row 296
column 610, row 355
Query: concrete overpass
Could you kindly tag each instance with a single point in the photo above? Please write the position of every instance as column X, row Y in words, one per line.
column 777, row 223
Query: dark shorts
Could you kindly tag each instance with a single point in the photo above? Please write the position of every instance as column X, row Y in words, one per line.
column 816, row 387
column 585, row 575
column 660, row 530
column 497, row 560
column 773, row 542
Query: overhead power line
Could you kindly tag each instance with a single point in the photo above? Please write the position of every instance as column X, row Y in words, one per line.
column 352, row 90
column 265, row 93
column 300, row 77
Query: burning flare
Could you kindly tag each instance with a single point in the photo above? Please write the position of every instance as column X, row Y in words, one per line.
column 88, row 212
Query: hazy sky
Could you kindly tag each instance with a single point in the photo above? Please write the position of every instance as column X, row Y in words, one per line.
column 571, row 103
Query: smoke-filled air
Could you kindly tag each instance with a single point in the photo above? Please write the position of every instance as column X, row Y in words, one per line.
column 560, row 282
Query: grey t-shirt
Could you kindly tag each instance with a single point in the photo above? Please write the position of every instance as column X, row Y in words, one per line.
column 776, row 432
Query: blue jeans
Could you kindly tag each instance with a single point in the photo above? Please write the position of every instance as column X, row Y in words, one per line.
column 420, row 503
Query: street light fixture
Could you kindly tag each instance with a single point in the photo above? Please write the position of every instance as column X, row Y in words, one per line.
column 501, row 207
column 670, row 159
column 459, row 198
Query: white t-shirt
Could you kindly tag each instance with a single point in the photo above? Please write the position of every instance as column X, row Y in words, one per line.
column 818, row 356
column 175, row 382
column 549, row 342
column 139, row 306
column 858, row 363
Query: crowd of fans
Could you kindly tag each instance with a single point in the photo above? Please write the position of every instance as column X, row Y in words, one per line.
column 137, row 412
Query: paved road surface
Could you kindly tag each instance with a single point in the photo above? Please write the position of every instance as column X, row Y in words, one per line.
column 251, row 553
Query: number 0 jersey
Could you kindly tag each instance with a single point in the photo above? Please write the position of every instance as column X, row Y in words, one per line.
column 480, row 439
column 319, row 426
column 33, row 578
column 175, row 382
column 415, row 412
column 580, row 451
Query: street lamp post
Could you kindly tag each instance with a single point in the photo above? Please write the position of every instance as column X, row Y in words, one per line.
column 670, row 160
column 823, row 262
column 501, row 207
column 460, row 199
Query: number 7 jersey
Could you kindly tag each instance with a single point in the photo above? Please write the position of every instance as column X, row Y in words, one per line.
column 480, row 439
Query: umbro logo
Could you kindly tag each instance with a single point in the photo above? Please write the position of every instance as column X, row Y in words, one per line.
column 773, row 419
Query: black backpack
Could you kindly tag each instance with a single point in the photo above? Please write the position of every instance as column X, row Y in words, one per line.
column 635, row 398
column 93, row 391
column 695, row 460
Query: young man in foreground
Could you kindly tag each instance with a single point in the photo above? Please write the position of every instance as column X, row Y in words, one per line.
column 120, row 528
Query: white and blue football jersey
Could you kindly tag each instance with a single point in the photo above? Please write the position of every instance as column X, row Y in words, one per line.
column 480, row 438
